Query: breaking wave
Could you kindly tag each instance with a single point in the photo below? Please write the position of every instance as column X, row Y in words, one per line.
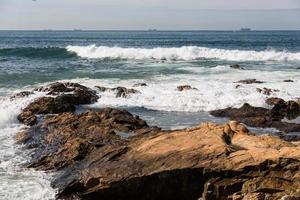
column 182, row 53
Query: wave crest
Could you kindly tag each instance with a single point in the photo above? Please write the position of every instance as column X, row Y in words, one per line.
column 181, row 53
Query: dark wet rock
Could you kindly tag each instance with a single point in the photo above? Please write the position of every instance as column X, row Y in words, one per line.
column 209, row 161
column 185, row 87
column 65, row 102
column 67, row 138
column 262, row 117
column 288, row 81
column 266, row 91
column 236, row 66
column 21, row 95
column 120, row 91
column 60, row 87
column 140, row 85
column 274, row 100
column 249, row 81
column 124, row 92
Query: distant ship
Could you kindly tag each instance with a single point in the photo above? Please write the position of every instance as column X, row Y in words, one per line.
column 245, row 29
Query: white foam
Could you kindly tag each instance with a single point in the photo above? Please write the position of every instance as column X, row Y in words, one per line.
column 181, row 53
column 17, row 182
column 216, row 89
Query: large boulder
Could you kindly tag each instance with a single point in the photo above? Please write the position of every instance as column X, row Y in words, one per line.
column 208, row 161
column 67, row 96
column 263, row 117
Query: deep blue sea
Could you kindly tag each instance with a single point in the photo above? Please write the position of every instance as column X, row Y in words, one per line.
column 163, row 60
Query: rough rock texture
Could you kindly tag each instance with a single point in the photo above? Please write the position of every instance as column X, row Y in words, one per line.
column 120, row 91
column 262, row 117
column 63, row 139
column 60, row 87
column 69, row 95
column 249, row 81
column 266, row 91
column 209, row 161
column 185, row 87
column 21, row 95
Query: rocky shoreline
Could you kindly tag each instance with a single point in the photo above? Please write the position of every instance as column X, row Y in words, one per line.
column 112, row 154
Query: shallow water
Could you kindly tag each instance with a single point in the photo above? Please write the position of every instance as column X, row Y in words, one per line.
column 163, row 60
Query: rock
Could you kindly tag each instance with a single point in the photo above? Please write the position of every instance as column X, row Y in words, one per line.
column 262, row 117
column 27, row 117
column 236, row 66
column 274, row 100
column 289, row 81
column 298, row 68
column 120, row 91
column 249, row 81
column 102, row 89
column 68, row 137
column 95, row 163
column 140, row 85
column 60, row 87
column 237, row 86
column 21, row 95
column 124, row 92
column 65, row 102
column 185, row 87
column 44, row 105
column 266, row 91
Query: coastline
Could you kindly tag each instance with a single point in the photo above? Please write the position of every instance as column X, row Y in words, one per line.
column 110, row 153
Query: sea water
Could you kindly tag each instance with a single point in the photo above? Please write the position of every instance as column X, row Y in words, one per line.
column 162, row 60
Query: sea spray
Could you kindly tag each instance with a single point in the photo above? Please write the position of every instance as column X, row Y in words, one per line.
column 182, row 53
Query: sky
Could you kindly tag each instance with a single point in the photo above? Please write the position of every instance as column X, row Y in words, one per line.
column 149, row 14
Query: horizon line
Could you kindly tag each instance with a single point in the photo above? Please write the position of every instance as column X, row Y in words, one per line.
column 146, row 30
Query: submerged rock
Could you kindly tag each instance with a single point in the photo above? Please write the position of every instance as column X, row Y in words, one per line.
column 21, row 95
column 249, row 81
column 140, row 85
column 60, row 87
column 181, row 88
column 266, row 91
column 120, row 91
column 236, row 66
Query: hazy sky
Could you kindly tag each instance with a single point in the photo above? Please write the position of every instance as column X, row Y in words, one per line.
column 145, row 14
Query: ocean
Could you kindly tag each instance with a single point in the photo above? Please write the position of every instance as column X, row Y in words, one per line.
column 162, row 60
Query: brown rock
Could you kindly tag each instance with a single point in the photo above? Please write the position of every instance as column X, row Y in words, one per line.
column 21, row 95
column 262, row 117
column 274, row 100
column 266, row 91
column 249, row 81
column 236, row 66
column 60, row 87
column 185, row 87
column 95, row 163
